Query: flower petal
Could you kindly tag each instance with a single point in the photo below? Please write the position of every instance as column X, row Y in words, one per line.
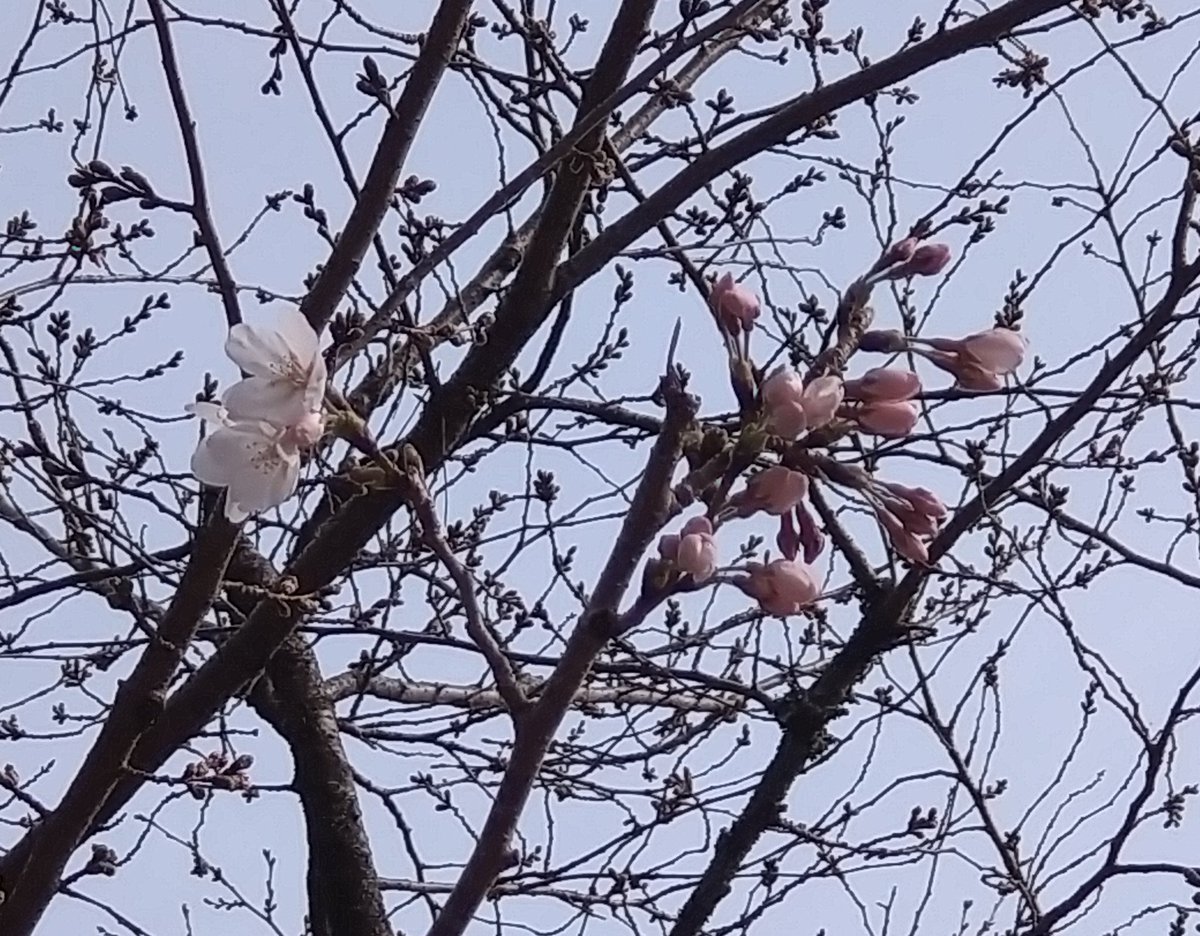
column 268, row 479
column 299, row 335
column 270, row 399
column 234, row 512
column 257, row 351
column 1000, row 350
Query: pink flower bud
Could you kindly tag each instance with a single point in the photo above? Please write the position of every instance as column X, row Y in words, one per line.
column 736, row 306
column 891, row 420
column 697, row 551
column 900, row 251
column 821, row 400
column 915, row 521
column 787, row 420
column 783, row 400
column 668, row 546
column 812, row 540
column 926, row 260
column 979, row 361
column 781, row 587
column 970, row 376
column 774, row 490
column 905, row 542
column 782, row 385
column 788, row 537
column 884, row 384
column 920, row 498
column 999, row 350
column 698, row 556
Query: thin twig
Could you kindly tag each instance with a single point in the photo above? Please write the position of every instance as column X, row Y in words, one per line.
column 200, row 209
column 431, row 529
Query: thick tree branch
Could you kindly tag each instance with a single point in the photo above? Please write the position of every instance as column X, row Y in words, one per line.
column 472, row 698
column 599, row 623
column 526, row 305
column 379, row 187
column 792, row 117
column 343, row 888
column 597, row 106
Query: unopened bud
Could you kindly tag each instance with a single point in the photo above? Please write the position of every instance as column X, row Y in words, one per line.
column 888, row 341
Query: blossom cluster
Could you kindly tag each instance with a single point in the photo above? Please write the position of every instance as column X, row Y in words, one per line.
column 881, row 401
column 265, row 420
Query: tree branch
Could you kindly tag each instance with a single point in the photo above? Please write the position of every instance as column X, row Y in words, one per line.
column 501, row 667
column 139, row 700
column 472, row 698
column 599, row 623
column 199, row 208
column 380, row 184
column 883, row 626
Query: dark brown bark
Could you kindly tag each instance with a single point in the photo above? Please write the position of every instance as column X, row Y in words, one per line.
column 343, row 889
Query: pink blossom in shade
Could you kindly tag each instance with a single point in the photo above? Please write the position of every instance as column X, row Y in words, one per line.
column 774, row 490
column 891, row 420
column 926, row 260
column 783, row 400
column 821, row 399
column 884, row 384
column 736, row 306
column 668, row 546
column 782, row 587
column 697, row 551
column 787, row 420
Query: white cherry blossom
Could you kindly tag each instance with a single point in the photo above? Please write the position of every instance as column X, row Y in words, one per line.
column 258, row 462
column 287, row 373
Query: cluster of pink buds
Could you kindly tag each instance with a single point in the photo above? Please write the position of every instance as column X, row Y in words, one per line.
column 910, row 515
column 881, row 401
column 693, row 550
column 793, row 408
column 910, row 257
column 779, row 491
